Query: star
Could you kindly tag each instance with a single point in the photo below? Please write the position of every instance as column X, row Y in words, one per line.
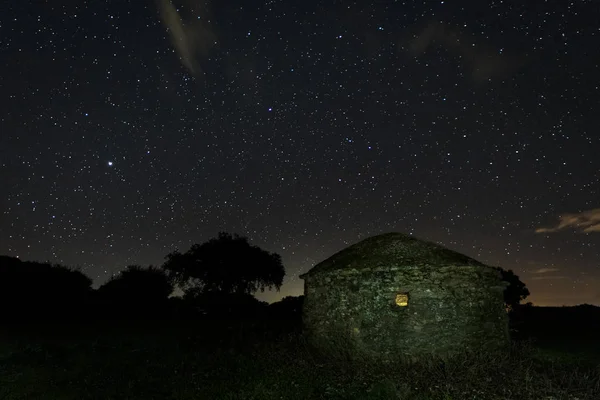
column 443, row 125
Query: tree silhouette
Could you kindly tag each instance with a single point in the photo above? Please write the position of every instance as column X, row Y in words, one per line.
column 227, row 264
column 290, row 307
column 136, row 289
column 32, row 290
column 223, row 305
column 516, row 290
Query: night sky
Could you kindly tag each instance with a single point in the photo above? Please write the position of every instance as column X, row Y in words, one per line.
column 129, row 129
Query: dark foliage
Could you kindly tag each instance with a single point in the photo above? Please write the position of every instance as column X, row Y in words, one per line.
column 227, row 264
column 516, row 290
column 32, row 291
column 222, row 305
column 290, row 307
column 136, row 292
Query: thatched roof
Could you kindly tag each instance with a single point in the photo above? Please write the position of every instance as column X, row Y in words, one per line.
column 392, row 250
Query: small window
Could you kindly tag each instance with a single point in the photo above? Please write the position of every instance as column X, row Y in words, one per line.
column 402, row 299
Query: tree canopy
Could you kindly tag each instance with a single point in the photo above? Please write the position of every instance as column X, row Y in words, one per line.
column 138, row 284
column 516, row 290
column 43, row 289
column 228, row 264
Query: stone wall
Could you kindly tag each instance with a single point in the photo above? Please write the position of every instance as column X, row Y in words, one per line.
column 450, row 309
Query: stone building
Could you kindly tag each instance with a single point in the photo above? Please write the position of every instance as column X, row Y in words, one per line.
column 393, row 296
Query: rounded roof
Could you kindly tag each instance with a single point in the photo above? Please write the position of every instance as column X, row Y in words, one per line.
column 392, row 250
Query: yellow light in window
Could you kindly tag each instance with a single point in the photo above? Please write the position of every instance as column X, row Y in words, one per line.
column 402, row 299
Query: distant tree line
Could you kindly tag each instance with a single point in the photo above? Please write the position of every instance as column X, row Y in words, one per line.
column 218, row 279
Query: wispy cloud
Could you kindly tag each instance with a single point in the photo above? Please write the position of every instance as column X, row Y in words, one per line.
column 484, row 61
column 546, row 278
column 586, row 221
column 190, row 38
column 545, row 270
column 593, row 228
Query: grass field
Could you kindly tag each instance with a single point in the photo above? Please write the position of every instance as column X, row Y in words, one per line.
column 236, row 360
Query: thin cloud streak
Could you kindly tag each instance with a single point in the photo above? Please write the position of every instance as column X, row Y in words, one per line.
column 593, row 228
column 545, row 270
column 190, row 38
column 586, row 221
column 547, row 278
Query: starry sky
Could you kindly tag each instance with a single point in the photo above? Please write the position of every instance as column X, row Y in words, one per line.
column 129, row 129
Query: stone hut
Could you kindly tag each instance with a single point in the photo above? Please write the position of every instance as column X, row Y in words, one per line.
column 393, row 296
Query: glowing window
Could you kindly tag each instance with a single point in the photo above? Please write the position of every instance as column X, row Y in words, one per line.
column 402, row 299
